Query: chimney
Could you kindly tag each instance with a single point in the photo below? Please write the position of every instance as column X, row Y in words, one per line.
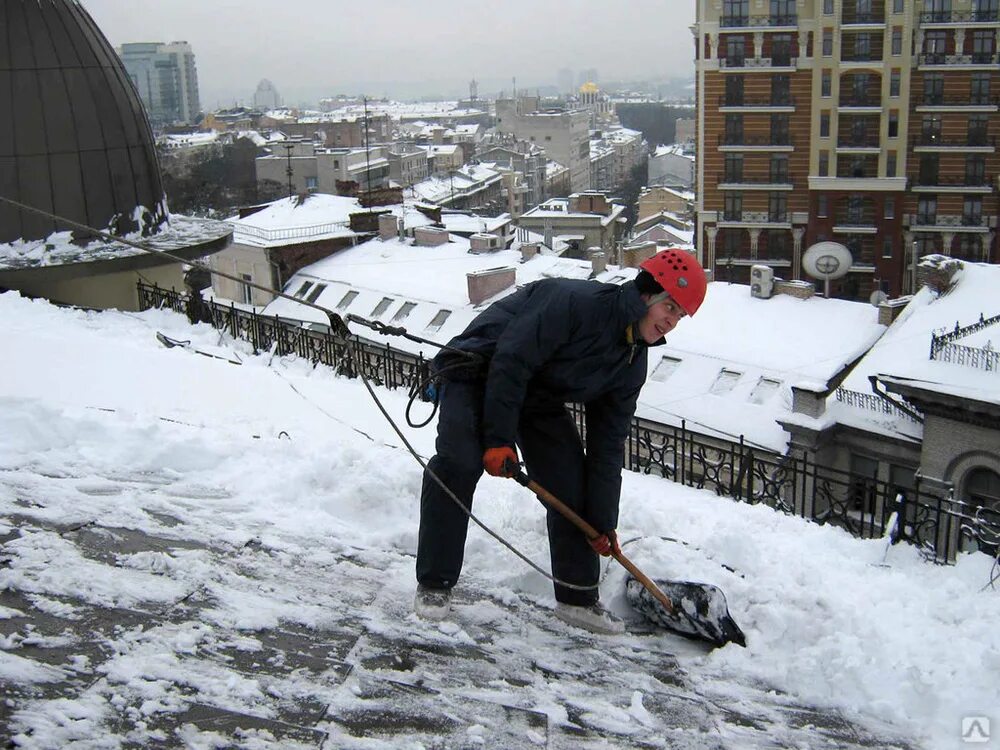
column 633, row 255
column 889, row 310
column 430, row 236
column 937, row 272
column 388, row 226
column 800, row 289
column 579, row 203
column 809, row 399
column 598, row 261
column 549, row 239
column 529, row 250
column 485, row 284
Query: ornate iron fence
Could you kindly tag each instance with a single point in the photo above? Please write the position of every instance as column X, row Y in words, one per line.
column 870, row 402
column 793, row 484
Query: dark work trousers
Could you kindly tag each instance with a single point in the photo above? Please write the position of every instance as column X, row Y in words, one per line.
column 553, row 454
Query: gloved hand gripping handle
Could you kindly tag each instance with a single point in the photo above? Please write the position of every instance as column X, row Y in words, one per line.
column 591, row 533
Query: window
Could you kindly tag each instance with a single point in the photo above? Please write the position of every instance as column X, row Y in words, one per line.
column 927, row 210
column 764, row 390
column 777, row 206
column 975, row 170
column 381, row 307
column 779, row 168
column 979, row 88
column 893, row 124
column 824, row 85
column 781, row 49
column 982, row 487
column 310, row 183
column 821, row 206
column 934, row 88
column 732, row 242
column 887, row 247
column 777, row 244
column 824, row 125
column 897, row 6
column 985, row 10
column 664, row 369
column 438, row 321
column 824, row 163
column 969, row 246
column 859, row 88
column 346, row 300
column 890, row 164
column 855, row 209
column 725, row 381
column 781, row 89
column 735, row 55
column 734, row 168
column 978, row 129
column 827, row 42
column 828, row 7
column 247, row 289
column 734, row 129
column 897, row 41
column 930, row 129
column 864, row 473
column 894, row 78
column 889, row 208
column 733, row 209
column 863, row 46
column 779, row 130
column 314, row 294
column 403, row 312
column 972, row 211
column 928, row 173
column 982, row 46
column 303, row 289
column 935, row 42
column 734, row 90
column 735, row 12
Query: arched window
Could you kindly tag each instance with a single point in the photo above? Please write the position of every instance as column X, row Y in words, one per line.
column 982, row 487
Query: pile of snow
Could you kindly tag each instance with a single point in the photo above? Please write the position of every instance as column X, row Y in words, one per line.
column 845, row 623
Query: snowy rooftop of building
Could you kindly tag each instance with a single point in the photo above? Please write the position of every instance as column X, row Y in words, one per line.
column 289, row 220
column 468, row 178
column 558, row 208
column 673, row 149
column 179, row 233
column 904, row 352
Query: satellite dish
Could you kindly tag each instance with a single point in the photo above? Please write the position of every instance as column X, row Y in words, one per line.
column 827, row 260
column 878, row 297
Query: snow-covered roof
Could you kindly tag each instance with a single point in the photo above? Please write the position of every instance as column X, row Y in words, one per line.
column 904, row 351
column 469, row 178
column 558, row 208
column 288, row 221
column 730, row 368
column 674, row 149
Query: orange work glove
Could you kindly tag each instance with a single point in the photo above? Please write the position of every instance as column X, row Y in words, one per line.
column 501, row 462
column 605, row 544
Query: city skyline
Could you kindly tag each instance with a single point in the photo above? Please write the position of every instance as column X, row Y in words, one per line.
column 401, row 50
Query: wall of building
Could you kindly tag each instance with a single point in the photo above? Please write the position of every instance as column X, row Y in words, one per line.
column 107, row 291
column 565, row 136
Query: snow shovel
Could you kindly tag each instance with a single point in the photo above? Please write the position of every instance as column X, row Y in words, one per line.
column 694, row 610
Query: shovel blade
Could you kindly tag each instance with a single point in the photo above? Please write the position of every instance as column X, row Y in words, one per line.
column 700, row 610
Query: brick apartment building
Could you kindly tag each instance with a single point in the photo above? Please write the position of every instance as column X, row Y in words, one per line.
column 871, row 123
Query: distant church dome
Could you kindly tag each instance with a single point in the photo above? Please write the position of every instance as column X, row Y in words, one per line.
column 589, row 88
column 74, row 138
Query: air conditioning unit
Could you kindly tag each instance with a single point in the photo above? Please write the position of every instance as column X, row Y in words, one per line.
column 761, row 281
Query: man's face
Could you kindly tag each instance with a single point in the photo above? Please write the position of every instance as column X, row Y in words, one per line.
column 660, row 320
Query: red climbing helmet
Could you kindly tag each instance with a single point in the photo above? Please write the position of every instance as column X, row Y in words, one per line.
column 681, row 276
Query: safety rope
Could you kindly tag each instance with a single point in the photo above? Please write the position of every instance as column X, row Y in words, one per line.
column 340, row 329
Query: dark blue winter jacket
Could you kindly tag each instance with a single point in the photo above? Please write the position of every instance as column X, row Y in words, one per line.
column 564, row 341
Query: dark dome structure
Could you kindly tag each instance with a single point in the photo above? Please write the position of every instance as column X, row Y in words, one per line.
column 74, row 138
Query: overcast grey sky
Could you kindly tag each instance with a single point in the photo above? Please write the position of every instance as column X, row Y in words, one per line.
column 406, row 48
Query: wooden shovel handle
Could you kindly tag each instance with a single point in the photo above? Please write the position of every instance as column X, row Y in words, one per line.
column 591, row 533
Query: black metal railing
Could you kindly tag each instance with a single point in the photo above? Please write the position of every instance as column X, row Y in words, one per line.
column 757, row 179
column 862, row 56
column 972, row 100
column 862, row 18
column 871, row 402
column 953, row 16
column 734, row 22
column 858, row 141
column 797, row 485
column 860, row 101
column 739, row 139
column 958, row 332
column 973, row 181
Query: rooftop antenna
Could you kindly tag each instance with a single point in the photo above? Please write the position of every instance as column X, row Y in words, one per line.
column 368, row 159
column 288, row 170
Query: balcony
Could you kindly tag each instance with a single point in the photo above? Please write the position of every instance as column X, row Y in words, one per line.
column 926, row 222
column 734, row 22
column 854, row 101
column 727, row 101
column 766, row 219
column 868, row 56
column 757, row 63
column 861, row 143
column 929, row 142
column 854, row 223
column 733, row 181
column 738, row 141
column 959, row 17
column 934, row 100
column 952, row 184
column 973, row 60
column 863, row 19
